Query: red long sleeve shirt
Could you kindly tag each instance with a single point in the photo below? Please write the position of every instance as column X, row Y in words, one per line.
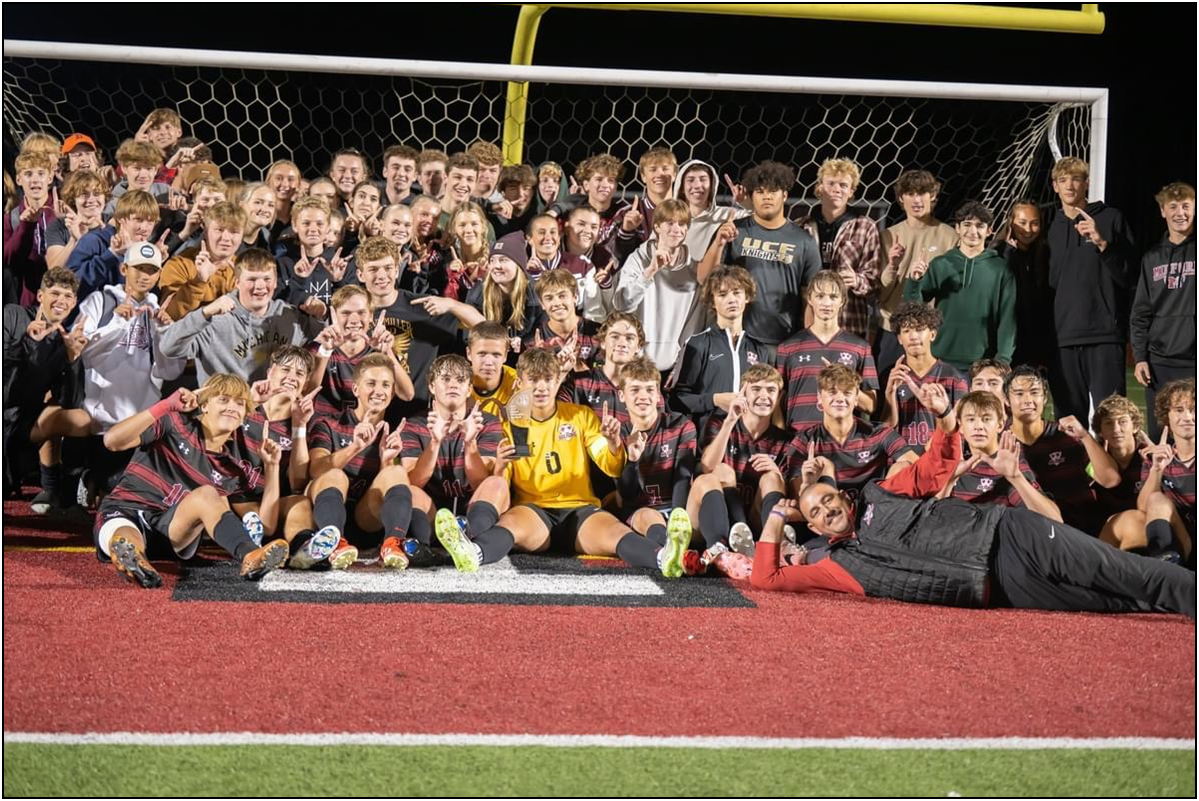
column 922, row 478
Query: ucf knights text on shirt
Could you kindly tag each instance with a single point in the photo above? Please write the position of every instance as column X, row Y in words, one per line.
column 782, row 261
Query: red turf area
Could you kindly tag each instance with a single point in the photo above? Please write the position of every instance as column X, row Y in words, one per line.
column 84, row 651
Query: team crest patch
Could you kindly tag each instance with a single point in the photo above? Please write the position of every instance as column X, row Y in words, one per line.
column 845, row 358
column 285, row 443
column 869, row 516
column 566, row 431
column 985, row 484
column 1057, row 459
column 751, row 357
column 863, row 457
column 664, row 452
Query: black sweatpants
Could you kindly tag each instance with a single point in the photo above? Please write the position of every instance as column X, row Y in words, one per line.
column 1159, row 376
column 1042, row 564
column 1084, row 373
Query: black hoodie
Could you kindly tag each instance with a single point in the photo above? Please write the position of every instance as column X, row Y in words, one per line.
column 1092, row 288
column 1163, row 314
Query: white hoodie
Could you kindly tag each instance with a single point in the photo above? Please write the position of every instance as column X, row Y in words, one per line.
column 123, row 367
column 667, row 304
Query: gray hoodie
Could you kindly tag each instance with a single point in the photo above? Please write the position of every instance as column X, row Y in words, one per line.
column 705, row 224
column 239, row 342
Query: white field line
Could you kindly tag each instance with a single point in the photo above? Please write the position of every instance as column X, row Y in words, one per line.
column 599, row 741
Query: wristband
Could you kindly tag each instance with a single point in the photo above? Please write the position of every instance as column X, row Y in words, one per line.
column 778, row 514
column 299, row 432
column 324, row 352
column 946, row 413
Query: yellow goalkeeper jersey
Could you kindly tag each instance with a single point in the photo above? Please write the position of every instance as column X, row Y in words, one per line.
column 494, row 402
column 556, row 474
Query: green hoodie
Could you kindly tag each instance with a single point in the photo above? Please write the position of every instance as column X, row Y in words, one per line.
column 977, row 299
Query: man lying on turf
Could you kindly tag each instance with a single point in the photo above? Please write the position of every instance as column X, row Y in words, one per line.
column 899, row 542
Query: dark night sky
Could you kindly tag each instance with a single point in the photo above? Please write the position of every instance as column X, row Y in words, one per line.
column 1152, row 135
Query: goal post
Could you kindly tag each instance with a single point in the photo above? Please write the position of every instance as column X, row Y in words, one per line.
column 993, row 142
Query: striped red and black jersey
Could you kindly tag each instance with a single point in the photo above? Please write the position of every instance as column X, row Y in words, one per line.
column 667, row 464
column 867, row 453
column 983, row 485
column 801, row 358
column 593, row 389
column 742, row 447
column 1178, row 484
column 250, row 441
column 337, row 385
column 1123, row 496
column 917, row 424
column 334, row 433
column 1059, row 463
column 448, row 480
column 171, row 461
column 586, row 344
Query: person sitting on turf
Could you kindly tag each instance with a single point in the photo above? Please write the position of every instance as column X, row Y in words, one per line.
column 1119, row 427
column 492, row 381
column 915, row 326
column 1167, row 495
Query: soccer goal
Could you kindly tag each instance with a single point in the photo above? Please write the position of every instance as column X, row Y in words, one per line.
column 991, row 142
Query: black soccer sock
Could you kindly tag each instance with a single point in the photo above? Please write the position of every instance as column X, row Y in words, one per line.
column 713, row 518
column 420, row 529
column 732, row 502
column 51, row 476
column 768, row 502
column 657, row 535
column 495, row 543
column 330, row 509
column 637, row 551
column 1160, row 536
column 231, row 535
column 481, row 516
column 396, row 513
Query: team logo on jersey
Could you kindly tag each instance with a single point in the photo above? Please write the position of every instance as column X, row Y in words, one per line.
column 1167, row 483
column 845, row 358
column 216, row 477
column 585, row 352
column 751, row 357
column 807, row 357
column 344, row 441
column 1138, row 485
column 184, row 448
column 869, row 516
column 594, row 400
column 566, row 431
column 1057, row 459
column 986, row 484
column 863, row 457
column 285, row 443
column 664, row 451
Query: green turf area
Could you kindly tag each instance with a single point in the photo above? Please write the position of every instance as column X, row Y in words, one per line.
column 112, row 770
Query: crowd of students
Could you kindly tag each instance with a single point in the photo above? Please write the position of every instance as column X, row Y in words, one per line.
column 457, row 359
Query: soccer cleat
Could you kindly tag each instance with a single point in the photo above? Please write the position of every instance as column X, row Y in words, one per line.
column 741, row 539
column 392, row 555
column 465, row 553
column 678, row 534
column 317, row 549
column 735, row 565
column 252, row 523
column 263, row 560
column 129, row 560
column 343, row 556
column 421, row 555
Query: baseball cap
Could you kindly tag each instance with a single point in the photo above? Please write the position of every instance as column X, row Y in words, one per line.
column 513, row 246
column 75, row 140
column 198, row 170
column 143, row 253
